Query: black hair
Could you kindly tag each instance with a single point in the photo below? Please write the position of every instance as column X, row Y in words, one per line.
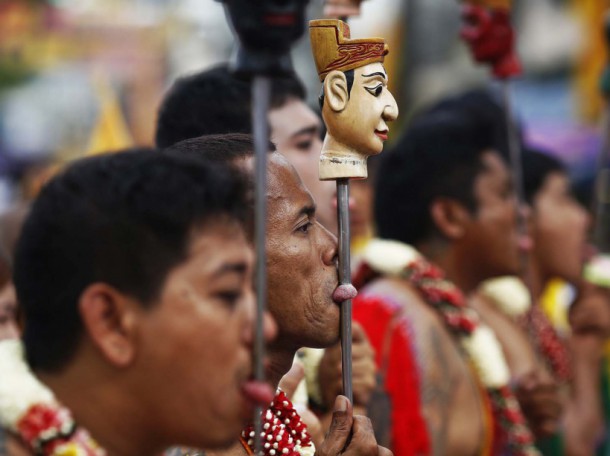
column 125, row 219
column 225, row 148
column 486, row 107
column 537, row 165
column 439, row 156
column 214, row 102
column 349, row 78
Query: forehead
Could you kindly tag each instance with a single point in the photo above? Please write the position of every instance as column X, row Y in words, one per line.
column 222, row 242
column 371, row 71
column 291, row 118
column 494, row 166
column 285, row 187
column 556, row 181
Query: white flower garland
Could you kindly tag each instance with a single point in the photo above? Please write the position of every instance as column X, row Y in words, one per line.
column 597, row 271
column 19, row 389
column 486, row 354
column 29, row 409
column 311, row 357
column 509, row 294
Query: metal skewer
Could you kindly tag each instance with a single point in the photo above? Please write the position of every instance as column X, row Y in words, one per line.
column 345, row 278
column 261, row 95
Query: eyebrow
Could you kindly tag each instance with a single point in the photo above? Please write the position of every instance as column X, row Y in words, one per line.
column 230, row 268
column 377, row 73
column 308, row 210
column 307, row 130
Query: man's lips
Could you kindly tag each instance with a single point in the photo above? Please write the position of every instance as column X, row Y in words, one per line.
column 344, row 292
column 382, row 134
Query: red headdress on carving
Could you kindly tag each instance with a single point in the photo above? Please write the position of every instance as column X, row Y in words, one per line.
column 334, row 50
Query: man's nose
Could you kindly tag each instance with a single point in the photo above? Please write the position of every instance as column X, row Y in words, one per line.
column 269, row 327
column 269, row 324
column 330, row 248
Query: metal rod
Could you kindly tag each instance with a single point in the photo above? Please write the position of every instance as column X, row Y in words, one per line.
column 345, row 278
column 514, row 150
column 261, row 93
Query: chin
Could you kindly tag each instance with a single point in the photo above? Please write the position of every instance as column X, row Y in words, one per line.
column 324, row 339
column 332, row 336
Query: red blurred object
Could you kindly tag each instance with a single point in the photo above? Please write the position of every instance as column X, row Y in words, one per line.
column 491, row 39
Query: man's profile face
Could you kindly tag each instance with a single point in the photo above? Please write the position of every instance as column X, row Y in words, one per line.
column 195, row 342
column 301, row 260
column 559, row 228
column 296, row 130
column 363, row 124
column 491, row 240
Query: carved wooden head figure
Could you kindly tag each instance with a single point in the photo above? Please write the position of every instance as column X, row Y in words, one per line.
column 356, row 103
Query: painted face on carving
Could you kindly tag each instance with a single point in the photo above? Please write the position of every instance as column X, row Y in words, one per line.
column 359, row 119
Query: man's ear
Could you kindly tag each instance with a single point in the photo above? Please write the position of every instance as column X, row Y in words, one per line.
column 110, row 319
column 336, row 94
column 450, row 217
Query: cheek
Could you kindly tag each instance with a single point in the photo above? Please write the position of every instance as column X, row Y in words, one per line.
column 499, row 218
column 8, row 330
column 287, row 274
column 550, row 224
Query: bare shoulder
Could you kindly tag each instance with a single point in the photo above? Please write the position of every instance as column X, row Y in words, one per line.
column 402, row 292
column 427, row 325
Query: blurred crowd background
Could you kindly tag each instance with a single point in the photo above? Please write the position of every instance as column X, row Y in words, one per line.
column 81, row 76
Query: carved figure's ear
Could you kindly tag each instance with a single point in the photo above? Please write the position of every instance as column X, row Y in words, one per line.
column 335, row 91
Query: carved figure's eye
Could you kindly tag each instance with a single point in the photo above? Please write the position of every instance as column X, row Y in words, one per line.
column 375, row 91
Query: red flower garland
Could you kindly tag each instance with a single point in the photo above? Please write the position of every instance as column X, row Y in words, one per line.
column 548, row 342
column 46, row 428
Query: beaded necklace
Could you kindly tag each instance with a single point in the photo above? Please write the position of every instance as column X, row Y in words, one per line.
column 283, row 434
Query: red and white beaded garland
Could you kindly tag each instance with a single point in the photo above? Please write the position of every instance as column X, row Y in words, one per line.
column 284, row 433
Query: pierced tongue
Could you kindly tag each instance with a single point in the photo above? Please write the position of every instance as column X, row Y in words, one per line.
column 258, row 392
column 344, row 292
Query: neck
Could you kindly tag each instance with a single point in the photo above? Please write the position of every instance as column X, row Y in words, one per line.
column 339, row 160
column 280, row 361
column 113, row 418
column 535, row 279
column 456, row 269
